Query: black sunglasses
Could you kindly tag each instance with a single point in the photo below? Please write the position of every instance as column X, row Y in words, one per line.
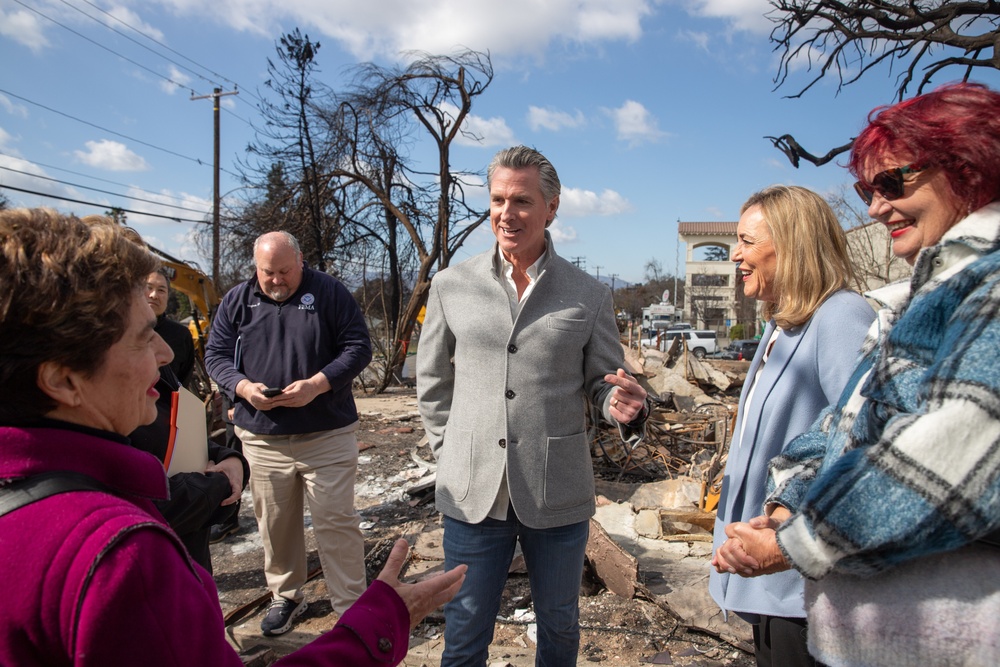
column 888, row 183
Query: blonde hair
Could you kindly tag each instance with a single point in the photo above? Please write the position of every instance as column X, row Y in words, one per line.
column 811, row 250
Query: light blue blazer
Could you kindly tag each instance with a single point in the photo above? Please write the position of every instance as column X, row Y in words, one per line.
column 806, row 371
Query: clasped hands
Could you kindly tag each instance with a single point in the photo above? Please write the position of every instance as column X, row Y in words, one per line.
column 752, row 548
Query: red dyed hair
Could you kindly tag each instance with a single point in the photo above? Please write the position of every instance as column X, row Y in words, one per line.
column 956, row 127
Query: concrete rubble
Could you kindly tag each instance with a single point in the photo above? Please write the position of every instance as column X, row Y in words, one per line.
column 652, row 534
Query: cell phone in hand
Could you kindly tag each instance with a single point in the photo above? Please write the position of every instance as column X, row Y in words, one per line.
column 271, row 392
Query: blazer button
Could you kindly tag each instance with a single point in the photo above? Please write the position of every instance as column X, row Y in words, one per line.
column 512, row 348
column 385, row 645
column 502, row 443
column 509, row 393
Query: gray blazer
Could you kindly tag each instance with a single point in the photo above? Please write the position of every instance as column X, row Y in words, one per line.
column 806, row 372
column 499, row 395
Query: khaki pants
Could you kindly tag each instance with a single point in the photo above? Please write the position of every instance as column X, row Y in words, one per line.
column 323, row 467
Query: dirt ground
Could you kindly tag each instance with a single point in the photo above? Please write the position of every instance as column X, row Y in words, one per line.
column 615, row 631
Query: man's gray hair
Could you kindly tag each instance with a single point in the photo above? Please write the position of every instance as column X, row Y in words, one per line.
column 522, row 157
column 288, row 239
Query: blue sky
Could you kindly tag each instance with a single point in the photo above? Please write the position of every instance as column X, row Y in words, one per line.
column 653, row 111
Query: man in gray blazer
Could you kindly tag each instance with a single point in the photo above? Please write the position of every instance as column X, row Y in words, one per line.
column 514, row 344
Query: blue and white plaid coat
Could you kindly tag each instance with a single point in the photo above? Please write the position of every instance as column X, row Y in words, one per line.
column 907, row 463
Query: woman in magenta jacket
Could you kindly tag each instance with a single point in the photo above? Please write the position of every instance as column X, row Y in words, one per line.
column 96, row 577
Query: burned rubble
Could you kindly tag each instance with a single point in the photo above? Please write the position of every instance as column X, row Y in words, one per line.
column 645, row 595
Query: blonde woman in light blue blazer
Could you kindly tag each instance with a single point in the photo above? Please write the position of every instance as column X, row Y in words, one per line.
column 792, row 256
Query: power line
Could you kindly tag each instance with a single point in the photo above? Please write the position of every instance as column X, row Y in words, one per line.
column 109, row 50
column 157, row 42
column 104, row 129
column 104, row 192
column 77, row 173
column 164, row 46
column 89, row 203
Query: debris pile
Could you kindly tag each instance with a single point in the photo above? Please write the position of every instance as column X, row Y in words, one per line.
column 693, row 411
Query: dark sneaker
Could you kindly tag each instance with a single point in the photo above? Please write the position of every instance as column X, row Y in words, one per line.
column 221, row 531
column 278, row 619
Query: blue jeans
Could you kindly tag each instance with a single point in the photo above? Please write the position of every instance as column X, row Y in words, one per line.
column 554, row 558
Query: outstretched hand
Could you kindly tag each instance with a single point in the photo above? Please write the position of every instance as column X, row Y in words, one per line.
column 425, row 596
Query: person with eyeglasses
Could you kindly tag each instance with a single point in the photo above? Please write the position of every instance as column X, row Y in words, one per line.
column 890, row 505
column 791, row 256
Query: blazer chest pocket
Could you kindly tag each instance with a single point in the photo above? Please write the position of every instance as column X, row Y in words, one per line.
column 566, row 324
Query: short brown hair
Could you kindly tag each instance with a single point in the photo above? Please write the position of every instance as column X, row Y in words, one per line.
column 66, row 288
column 811, row 249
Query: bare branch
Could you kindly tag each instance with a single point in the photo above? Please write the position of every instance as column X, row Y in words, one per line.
column 793, row 150
column 849, row 39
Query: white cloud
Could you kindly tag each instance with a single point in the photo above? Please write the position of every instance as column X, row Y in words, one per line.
column 123, row 18
column 561, row 233
column 24, row 28
column 700, row 39
column 551, row 119
column 479, row 131
column 384, row 29
column 741, row 14
column 577, row 203
column 111, row 155
column 20, row 173
column 12, row 108
column 4, row 139
column 180, row 81
column 635, row 124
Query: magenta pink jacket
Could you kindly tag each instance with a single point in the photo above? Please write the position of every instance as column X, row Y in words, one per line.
column 93, row 579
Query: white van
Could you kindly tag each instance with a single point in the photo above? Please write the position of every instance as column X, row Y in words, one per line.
column 699, row 342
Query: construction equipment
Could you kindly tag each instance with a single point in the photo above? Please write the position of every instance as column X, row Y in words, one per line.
column 198, row 287
column 189, row 280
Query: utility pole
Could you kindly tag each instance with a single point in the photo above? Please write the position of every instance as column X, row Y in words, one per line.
column 598, row 269
column 613, row 276
column 216, row 94
column 677, row 244
column 580, row 262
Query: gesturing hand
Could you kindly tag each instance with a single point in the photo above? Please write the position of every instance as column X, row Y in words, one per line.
column 628, row 398
column 425, row 596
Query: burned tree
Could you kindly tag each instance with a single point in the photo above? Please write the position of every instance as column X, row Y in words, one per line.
column 388, row 109
column 295, row 140
column 849, row 39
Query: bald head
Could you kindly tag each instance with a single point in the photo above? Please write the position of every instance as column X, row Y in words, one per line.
column 279, row 264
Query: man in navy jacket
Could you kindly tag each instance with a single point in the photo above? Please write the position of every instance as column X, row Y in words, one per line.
column 286, row 347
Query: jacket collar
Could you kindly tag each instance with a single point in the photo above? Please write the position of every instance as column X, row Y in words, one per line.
column 107, row 457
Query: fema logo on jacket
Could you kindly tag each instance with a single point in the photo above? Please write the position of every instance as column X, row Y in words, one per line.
column 307, row 302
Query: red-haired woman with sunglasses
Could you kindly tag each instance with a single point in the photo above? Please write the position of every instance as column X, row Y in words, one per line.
column 890, row 506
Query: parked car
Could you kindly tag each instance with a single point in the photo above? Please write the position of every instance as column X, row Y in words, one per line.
column 699, row 343
column 740, row 350
column 660, row 326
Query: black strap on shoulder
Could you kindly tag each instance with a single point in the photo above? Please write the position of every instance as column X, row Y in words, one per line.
column 21, row 492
